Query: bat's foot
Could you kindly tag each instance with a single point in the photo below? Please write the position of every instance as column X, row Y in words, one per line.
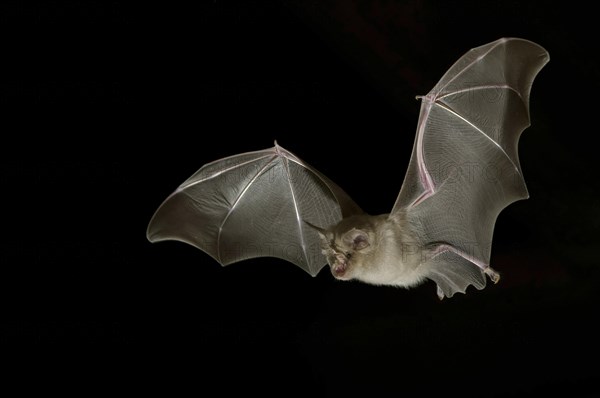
column 494, row 276
column 440, row 294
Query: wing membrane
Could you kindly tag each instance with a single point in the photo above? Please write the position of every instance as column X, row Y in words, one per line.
column 254, row 205
column 465, row 167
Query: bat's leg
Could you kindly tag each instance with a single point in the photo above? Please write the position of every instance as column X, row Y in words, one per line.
column 440, row 294
column 492, row 273
column 444, row 247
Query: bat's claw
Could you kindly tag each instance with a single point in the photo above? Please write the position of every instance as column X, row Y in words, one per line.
column 494, row 276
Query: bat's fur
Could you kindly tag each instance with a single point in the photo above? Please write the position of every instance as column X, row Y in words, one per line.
column 374, row 249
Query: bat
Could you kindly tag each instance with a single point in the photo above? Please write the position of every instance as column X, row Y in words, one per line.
column 464, row 169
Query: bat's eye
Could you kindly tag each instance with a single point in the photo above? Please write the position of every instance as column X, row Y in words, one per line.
column 348, row 254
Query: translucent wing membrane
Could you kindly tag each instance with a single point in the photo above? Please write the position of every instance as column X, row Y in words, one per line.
column 465, row 167
column 254, row 205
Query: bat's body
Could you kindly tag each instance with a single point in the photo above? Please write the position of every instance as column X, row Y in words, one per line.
column 390, row 255
column 463, row 171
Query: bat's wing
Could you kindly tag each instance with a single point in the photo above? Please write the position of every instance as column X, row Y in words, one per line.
column 465, row 167
column 254, row 204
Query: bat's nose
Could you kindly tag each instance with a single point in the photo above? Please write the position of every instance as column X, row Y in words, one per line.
column 338, row 269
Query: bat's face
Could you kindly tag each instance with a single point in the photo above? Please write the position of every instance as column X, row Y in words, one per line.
column 345, row 252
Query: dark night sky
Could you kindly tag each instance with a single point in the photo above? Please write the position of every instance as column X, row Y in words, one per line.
column 113, row 106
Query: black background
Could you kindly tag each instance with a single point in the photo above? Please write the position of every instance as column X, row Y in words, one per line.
column 110, row 106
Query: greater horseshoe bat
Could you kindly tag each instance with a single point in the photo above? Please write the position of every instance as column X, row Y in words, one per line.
column 463, row 171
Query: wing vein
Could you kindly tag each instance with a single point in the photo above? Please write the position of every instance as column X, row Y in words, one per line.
column 479, row 58
column 182, row 187
column 320, row 177
column 296, row 208
column 492, row 86
column 237, row 200
column 450, row 110
column 424, row 176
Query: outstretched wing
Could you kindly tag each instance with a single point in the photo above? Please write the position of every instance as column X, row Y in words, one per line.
column 465, row 167
column 254, row 204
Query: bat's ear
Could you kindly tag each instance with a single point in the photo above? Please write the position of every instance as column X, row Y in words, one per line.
column 320, row 231
column 357, row 239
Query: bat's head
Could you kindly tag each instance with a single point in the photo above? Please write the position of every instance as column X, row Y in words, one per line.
column 346, row 247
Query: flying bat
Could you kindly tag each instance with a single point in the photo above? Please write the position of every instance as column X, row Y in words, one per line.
column 464, row 169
